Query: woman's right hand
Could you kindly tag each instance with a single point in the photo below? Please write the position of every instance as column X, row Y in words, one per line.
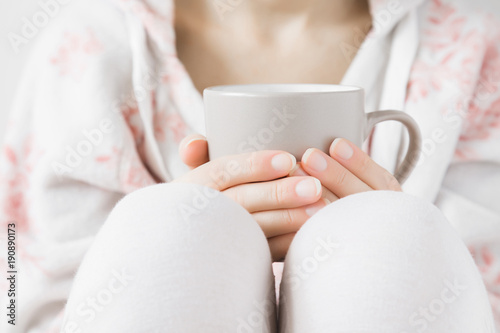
column 258, row 181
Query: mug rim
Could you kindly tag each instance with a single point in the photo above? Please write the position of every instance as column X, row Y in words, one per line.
column 280, row 89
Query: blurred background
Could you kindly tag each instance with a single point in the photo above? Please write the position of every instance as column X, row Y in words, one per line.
column 11, row 63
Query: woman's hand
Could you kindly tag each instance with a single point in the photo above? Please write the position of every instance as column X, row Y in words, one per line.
column 258, row 182
column 348, row 170
column 328, row 195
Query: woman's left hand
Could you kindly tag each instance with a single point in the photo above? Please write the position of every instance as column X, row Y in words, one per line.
column 348, row 170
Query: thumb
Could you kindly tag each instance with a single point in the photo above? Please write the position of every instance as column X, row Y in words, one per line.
column 193, row 150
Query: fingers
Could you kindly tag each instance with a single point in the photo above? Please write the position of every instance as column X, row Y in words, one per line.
column 279, row 245
column 229, row 171
column 362, row 166
column 283, row 221
column 332, row 174
column 193, row 150
column 288, row 192
column 325, row 193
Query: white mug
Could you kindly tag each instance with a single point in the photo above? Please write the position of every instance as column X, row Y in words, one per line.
column 293, row 118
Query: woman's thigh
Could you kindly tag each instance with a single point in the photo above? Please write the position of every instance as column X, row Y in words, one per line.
column 381, row 262
column 175, row 258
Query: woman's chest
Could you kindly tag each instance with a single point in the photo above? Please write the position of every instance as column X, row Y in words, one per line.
column 224, row 59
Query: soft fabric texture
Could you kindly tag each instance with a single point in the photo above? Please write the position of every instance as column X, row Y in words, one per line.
column 185, row 271
column 105, row 101
column 381, row 261
column 375, row 262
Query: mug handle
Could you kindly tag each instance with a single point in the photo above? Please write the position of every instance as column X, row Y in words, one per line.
column 412, row 154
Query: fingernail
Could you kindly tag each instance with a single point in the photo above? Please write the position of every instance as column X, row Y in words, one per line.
column 310, row 187
column 193, row 140
column 342, row 149
column 283, row 162
column 297, row 171
column 327, row 202
column 314, row 160
column 313, row 209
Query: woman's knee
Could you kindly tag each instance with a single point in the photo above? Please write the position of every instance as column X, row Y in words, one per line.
column 178, row 209
column 381, row 227
column 379, row 250
column 179, row 242
column 172, row 201
column 186, row 219
column 382, row 219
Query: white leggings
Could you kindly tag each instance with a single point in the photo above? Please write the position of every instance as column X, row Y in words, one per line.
column 184, row 258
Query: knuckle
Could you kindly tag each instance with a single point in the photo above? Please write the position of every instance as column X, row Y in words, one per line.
column 251, row 165
column 364, row 165
column 236, row 195
column 287, row 216
column 340, row 178
column 277, row 192
column 217, row 173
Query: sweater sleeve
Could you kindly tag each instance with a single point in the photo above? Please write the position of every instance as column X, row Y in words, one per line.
column 73, row 149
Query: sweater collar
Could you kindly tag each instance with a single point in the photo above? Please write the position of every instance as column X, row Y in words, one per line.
column 387, row 14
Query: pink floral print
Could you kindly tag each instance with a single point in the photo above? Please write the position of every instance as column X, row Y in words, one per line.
column 76, row 49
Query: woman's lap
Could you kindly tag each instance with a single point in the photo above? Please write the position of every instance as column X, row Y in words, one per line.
column 178, row 257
